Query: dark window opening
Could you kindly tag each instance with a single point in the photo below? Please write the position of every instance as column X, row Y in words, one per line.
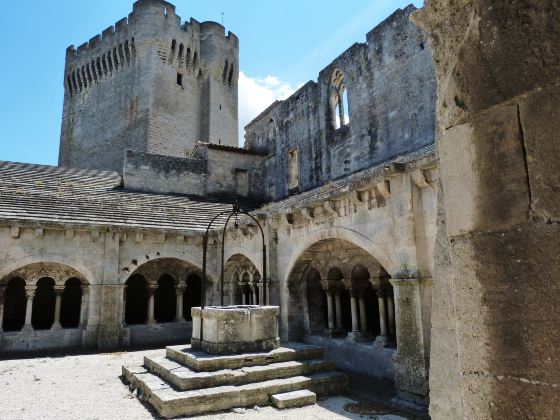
column 136, row 301
column 71, row 304
column 192, row 296
column 43, row 305
column 165, row 300
column 179, row 79
column 15, row 303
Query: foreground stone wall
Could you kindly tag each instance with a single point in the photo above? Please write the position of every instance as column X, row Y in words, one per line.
column 496, row 346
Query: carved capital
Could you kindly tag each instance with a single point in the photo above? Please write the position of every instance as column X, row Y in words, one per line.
column 30, row 291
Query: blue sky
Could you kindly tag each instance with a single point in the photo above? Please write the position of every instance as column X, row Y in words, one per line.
column 283, row 44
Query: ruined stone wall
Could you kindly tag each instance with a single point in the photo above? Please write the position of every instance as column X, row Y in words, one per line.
column 390, row 86
column 148, row 84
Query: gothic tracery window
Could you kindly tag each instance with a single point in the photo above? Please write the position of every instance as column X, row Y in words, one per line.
column 339, row 100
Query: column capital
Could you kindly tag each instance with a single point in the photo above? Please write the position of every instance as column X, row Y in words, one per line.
column 151, row 288
column 330, row 285
column 404, row 282
column 180, row 288
column 30, row 291
column 58, row 290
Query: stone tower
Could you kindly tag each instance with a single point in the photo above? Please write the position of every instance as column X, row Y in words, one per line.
column 150, row 84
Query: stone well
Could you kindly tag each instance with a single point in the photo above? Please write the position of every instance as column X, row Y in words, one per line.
column 235, row 329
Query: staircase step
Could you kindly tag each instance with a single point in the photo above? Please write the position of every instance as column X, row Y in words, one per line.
column 203, row 362
column 184, row 378
column 294, row 399
column 170, row 403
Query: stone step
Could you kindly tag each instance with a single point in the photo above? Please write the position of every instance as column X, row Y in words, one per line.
column 183, row 378
column 170, row 403
column 294, row 399
column 203, row 362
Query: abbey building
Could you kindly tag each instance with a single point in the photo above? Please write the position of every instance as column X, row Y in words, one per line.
column 105, row 250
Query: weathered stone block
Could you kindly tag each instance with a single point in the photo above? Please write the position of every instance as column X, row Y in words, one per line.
column 294, row 399
column 235, row 329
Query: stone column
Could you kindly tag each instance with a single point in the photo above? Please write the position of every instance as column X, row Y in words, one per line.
column 338, row 309
column 125, row 288
column 85, row 304
column 2, row 293
column 180, row 290
column 58, row 290
column 330, row 309
column 29, row 294
column 354, row 308
column 391, row 314
column 382, row 337
column 363, row 317
column 151, row 302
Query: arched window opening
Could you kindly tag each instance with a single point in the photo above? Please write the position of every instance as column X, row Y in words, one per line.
column 115, row 59
column 192, row 294
column 316, row 304
column 69, row 85
column 121, row 55
column 14, row 305
column 224, row 73
column 231, row 73
column 84, row 78
column 188, row 59
column 181, row 51
column 71, row 305
column 43, row 305
column 110, row 61
column 340, row 113
column 195, row 61
column 247, row 292
column 271, row 130
column 165, row 300
column 136, row 300
column 127, row 51
column 99, row 69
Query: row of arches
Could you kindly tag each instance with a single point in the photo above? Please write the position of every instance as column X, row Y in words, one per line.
column 42, row 306
column 167, row 300
column 183, row 58
column 338, row 289
column 100, row 67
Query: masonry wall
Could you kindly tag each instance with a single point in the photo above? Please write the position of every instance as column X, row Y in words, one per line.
column 149, row 84
column 390, row 84
column 164, row 174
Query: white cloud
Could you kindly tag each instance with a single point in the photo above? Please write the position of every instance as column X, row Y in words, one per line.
column 256, row 94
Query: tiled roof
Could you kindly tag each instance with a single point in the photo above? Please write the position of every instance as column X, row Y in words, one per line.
column 78, row 197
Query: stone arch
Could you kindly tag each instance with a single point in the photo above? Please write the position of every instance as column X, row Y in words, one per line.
column 336, row 263
column 135, row 265
column 343, row 234
column 79, row 270
column 247, row 288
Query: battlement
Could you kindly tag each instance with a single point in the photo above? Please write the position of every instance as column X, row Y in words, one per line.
column 147, row 8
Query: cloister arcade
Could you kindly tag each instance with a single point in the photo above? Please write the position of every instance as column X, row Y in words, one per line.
column 43, row 296
column 244, row 281
column 161, row 291
column 338, row 289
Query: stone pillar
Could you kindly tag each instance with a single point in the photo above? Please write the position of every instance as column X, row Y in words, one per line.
column 85, row 305
column 125, row 288
column 151, row 303
column 411, row 374
column 180, row 290
column 382, row 337
column 363, row 317
column 354, row 309
column 495, row 349
column 330, row 309
column 58, row 290
column 29, row 294
column 338, row 309
column 2, row 294
column 391, row 314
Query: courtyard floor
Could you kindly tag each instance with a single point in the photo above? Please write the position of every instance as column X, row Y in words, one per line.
column 89, row 387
